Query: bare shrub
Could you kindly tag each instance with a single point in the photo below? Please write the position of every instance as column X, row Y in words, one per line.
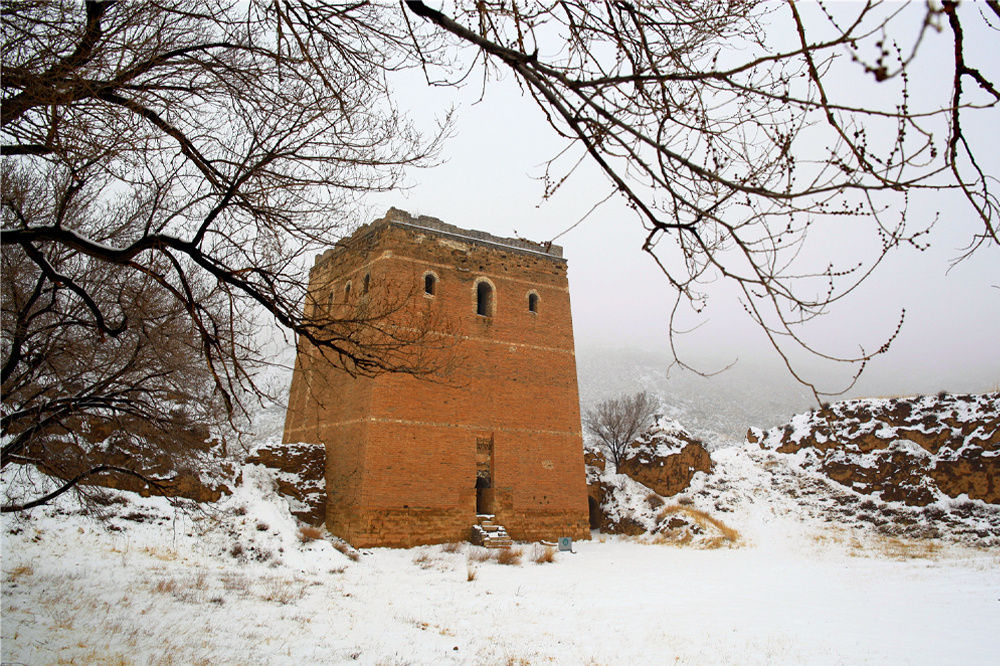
column 309, row 533
column 654, row 501
column 544, row 554
column 509, row 556
column 262, row 526
column 618, row 421
column 470, row 573
column 452, row 547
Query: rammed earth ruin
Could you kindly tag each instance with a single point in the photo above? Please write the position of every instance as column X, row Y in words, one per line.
column 411, row 461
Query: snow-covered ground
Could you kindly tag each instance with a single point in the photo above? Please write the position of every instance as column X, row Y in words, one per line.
column 148, row 584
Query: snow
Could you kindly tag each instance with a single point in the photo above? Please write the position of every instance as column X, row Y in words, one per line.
column 165, row 586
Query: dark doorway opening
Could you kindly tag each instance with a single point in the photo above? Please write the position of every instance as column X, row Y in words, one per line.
column 484, row 496
column 595, row 513
column 484, row 475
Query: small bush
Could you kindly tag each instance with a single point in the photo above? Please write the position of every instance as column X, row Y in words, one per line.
column 236, row 550
column 654, row 501
column 423, row 561
column 309, row 533
column 509, row 556
column 452, row 547
column 262, row 526
column 942, row 395
column 470, row 573
column 544, row 554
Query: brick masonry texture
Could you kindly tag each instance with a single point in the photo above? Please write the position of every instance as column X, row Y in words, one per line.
column 401, row 463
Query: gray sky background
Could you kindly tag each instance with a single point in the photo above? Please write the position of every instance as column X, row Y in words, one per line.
column 489, row 181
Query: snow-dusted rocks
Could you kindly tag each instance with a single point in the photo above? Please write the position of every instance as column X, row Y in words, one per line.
column 911, row 450
column 665, row 458
column 661, row 463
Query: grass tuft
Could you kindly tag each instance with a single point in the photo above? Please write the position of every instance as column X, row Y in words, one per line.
column 544, row 555
column 479, row 555
column 309, row 533
column 423, row 560
column 509, row 556
column 347, row 549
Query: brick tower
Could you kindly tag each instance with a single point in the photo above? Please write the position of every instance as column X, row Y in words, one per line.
column 497, row 431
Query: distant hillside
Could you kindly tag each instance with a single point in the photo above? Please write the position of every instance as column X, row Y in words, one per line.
column 716, row 409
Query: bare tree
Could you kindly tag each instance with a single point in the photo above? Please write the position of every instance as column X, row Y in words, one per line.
column 167, row 168
column 196, row 147
column 749, row 135
column 618, row 421
column 79, row 403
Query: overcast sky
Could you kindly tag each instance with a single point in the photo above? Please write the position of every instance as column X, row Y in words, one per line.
column 488, row 181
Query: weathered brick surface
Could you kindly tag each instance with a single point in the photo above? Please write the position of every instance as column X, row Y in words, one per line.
column 401, row 451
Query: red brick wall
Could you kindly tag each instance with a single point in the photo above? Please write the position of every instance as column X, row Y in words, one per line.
column 401, row 465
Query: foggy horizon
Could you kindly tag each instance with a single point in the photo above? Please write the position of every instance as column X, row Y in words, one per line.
column 489, row 180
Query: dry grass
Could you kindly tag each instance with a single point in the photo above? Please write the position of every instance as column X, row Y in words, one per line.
column 95, row 657
column 166, row 586
column 424, row 561
column 479, row 555
column 509, row 556
column 452, row 547
column 727, row 536
column 882, row 546
column 19, row 571
column 543, row 555
column 281, row 590
column 165, row 554
column 236, row 582
column 654, row 501
column 309, row 533
column 347, row 549
column 470, row 573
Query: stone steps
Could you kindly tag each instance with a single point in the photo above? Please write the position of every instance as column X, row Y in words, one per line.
column 490, row 534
